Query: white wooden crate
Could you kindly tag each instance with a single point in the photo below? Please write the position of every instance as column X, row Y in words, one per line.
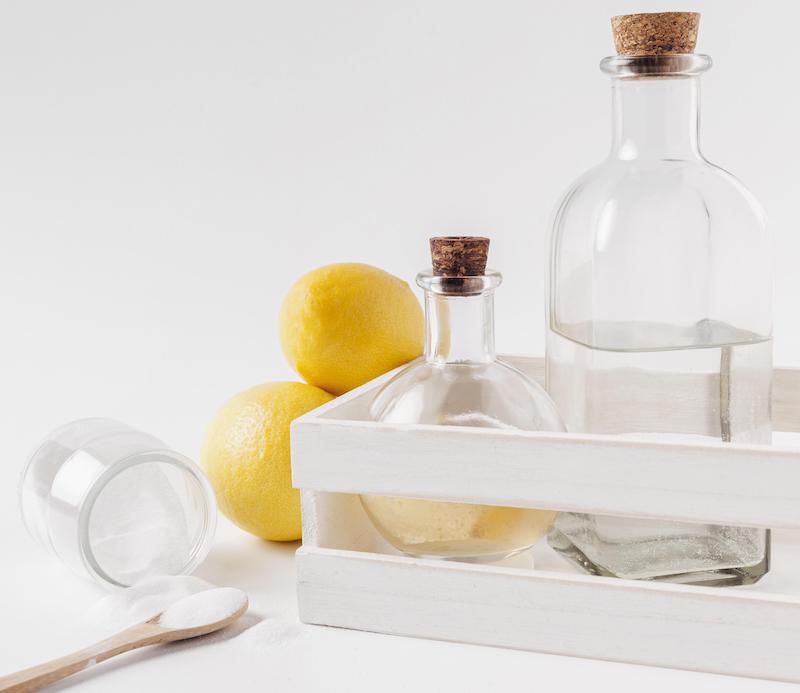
column 349, row 576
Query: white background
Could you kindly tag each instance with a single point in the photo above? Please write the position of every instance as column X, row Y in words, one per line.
column 168, row 168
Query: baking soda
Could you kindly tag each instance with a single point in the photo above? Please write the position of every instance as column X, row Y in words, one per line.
column 143, row 601
column 138, row 526
column 267, row 634
column 204, row 608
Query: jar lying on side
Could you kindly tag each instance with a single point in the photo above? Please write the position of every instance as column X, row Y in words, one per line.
column 116, row 504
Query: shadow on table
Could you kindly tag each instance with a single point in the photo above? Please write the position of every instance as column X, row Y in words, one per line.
column 249, row 563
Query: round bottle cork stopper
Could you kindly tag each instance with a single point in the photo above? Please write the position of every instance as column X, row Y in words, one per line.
column 459, row 256
column 655, row 33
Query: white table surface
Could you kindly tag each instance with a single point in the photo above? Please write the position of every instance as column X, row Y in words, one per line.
column 44, row 608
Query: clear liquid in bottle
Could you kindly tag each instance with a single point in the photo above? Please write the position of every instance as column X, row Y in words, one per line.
column 696, row 392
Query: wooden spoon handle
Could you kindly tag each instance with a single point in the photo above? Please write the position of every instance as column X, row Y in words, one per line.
column 44, row 674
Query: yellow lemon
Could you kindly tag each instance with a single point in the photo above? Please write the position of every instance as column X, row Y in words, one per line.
column 246, row 457
column 342, row 325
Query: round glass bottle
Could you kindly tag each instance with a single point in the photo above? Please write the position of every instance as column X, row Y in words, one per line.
column 659, row 310
column 460, row 382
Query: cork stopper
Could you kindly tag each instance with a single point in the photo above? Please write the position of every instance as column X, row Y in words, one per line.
column 655, row 33
column 459, row 256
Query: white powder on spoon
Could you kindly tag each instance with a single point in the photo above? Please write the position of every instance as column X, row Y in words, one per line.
column 204, row 608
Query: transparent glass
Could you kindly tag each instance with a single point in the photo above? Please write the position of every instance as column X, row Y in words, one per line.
column 460, row 382
column 116, row 504
column 661, row 271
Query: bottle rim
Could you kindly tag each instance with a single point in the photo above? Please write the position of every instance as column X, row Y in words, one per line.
column 652, row 66
column 459, row 286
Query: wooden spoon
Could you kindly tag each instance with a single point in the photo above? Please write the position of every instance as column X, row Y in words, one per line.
column 140, row 635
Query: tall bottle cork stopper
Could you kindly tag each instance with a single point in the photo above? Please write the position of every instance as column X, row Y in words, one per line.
column 655, row 33
column 459, row 256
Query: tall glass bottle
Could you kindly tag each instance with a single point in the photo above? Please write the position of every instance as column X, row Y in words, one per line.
column 659, row 310
column 460, row 382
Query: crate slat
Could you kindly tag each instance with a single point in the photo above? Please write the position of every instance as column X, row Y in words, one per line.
column 702, row 629
column 755, row 486
column 785, row 394
column 707, row 482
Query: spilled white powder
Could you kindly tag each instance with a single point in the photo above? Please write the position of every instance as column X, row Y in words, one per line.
column 144, row 600
column 267, row 634
column 204, row 608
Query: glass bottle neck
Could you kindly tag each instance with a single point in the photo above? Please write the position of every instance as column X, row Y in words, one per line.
column 459, row 329
column 656, row 118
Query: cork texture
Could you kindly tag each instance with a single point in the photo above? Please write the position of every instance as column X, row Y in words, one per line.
column 459, row 256
column 656, row 33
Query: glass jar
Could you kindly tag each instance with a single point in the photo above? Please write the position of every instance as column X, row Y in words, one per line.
column 116, row 504
column 460, row 382
column 659, row 317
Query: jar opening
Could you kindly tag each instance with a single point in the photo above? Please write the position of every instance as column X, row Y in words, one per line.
column 149, row 516
column 459, row 286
